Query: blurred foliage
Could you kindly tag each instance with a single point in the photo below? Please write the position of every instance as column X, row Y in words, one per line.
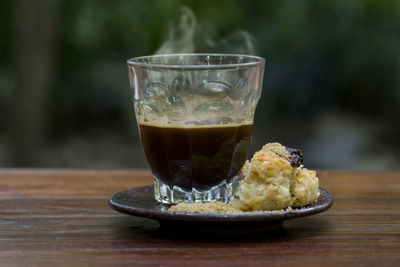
column 320, row 55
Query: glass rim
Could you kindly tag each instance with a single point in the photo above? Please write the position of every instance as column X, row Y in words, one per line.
column 256, row 61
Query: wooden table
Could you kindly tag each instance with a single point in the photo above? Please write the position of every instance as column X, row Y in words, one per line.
column 61, row 217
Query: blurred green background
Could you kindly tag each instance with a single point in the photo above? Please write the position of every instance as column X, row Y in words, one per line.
column 331, row 87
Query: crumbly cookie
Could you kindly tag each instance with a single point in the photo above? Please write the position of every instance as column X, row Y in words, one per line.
column 275, row 180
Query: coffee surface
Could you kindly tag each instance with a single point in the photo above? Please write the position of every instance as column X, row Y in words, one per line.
column 195, row 156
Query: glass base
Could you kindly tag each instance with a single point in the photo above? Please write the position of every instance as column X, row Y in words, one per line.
column 223, row 192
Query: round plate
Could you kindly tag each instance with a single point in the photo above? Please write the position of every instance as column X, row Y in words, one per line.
column 140, row 202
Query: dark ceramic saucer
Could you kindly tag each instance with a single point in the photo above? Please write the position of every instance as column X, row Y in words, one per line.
column 140, row 202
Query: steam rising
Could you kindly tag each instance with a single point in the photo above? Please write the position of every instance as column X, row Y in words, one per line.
column 181, row 38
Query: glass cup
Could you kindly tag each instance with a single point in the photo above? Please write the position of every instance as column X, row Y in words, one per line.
column 195, row 115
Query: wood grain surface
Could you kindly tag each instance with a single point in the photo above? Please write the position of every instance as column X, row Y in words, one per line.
column 62, row 217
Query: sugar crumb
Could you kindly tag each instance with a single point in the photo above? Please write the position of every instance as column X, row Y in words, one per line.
column 216, row 207
column 210, row 207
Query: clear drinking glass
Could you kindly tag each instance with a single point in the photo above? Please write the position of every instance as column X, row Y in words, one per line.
column 195, row 115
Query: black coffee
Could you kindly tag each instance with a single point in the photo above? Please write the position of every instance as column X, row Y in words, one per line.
column 198, row 156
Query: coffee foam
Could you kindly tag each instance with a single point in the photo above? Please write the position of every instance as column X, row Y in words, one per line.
column 193, row 122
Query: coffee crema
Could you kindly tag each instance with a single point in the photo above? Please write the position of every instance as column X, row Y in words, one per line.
column 195, row 156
